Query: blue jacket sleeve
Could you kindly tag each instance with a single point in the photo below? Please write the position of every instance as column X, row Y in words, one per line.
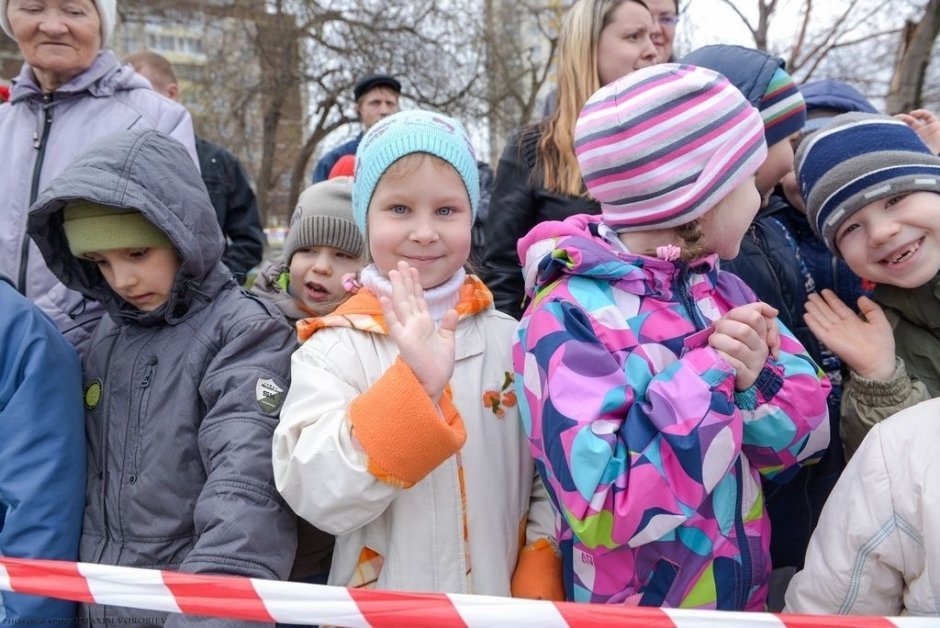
column 322, row 169
column 42, row 449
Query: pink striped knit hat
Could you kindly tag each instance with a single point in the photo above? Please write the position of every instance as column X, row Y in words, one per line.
column 661, row 146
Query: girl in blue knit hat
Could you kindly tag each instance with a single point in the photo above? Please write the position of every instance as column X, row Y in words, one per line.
column 403, row 397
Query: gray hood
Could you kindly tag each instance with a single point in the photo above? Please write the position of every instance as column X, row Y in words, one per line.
column 152, row 173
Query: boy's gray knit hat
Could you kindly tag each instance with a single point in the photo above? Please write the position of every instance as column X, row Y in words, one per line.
column 857, row 159
column 323, row 217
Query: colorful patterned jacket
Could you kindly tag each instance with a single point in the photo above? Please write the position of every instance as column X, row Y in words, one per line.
column 647, row 451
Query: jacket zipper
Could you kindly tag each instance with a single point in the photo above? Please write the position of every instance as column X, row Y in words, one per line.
column 103, row 450
column 740, row 532
column 685, row 298
column 144, row 385
column 39, row 143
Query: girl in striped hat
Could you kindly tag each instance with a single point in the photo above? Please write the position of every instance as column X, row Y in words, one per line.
column 655, row 389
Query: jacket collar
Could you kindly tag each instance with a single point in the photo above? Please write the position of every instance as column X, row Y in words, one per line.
column 102, row 78
column 921, row 305
column 578, row 247
column 363, row 312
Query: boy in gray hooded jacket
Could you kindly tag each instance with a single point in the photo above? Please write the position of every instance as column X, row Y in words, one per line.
column 184, row 376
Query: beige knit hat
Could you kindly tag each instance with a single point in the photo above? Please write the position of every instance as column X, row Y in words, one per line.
column 323, row 217
column 92, row 227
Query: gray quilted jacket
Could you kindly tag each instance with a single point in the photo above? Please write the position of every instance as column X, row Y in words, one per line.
column 181, row 402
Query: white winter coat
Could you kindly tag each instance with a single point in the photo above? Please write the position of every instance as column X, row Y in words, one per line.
column 323, row 473
column 876, row 549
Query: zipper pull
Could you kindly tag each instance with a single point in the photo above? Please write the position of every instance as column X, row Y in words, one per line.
column 36, row 140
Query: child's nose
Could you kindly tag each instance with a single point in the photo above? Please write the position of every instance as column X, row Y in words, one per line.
column 882, row 229
column 322, row 265
column 424, row 231
column 124, row 277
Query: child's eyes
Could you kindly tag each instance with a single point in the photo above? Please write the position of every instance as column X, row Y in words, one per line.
column 846, row 230
column 398, row 209
column 138, row 253
column 342, row 255
column 894, row 200
column 446, row 211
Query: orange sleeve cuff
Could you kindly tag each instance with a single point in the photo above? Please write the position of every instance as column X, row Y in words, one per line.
column 401, row 430
column 538, row 573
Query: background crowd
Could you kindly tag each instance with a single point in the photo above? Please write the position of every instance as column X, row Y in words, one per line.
column 678, row 349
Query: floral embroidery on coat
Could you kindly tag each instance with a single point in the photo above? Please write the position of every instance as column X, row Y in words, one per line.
column 498, row 400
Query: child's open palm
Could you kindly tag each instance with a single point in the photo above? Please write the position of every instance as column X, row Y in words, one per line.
column 424, row 346
column 926, row 124
column 865, row 343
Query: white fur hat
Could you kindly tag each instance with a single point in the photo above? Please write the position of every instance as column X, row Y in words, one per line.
column 107, row 13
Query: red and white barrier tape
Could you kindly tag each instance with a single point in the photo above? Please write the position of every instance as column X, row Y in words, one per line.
column 289, row 602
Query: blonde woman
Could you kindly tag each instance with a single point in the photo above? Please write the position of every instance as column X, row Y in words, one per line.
column 538, row 177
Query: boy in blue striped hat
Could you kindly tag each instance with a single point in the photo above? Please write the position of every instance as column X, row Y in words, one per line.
column 872, row 193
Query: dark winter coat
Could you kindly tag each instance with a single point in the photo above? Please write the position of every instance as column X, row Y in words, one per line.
column 235, row 207
column 322, row 170
column 182, row 401
column 519, row 202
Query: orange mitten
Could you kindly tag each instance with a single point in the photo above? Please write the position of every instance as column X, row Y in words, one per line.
column 538, row 573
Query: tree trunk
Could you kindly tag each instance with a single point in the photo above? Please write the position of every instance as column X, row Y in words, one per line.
column 907, row 84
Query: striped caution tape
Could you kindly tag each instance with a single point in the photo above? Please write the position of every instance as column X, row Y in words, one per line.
column 253, row 599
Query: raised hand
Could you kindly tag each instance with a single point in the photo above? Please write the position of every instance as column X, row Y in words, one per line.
column 865, row 343
column 745, row 336
column 424, row 346
column 927, row 126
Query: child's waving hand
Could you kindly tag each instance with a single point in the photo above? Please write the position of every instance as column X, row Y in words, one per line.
column 427, row 348
column 926, row 124
column 865, row 343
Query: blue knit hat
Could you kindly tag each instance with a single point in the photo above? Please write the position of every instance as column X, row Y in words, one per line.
column 857, row 159
column 405, row 133
column 827, row 98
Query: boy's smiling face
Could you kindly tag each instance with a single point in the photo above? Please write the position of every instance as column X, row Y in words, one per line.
column 141, row 276
column 894, row 240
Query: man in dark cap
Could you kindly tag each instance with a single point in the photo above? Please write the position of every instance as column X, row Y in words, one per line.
column 376, row 97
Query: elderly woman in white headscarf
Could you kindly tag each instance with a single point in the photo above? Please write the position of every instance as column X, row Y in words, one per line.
column 71, row 91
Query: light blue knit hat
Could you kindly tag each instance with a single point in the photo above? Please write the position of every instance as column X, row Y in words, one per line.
column 408, row 132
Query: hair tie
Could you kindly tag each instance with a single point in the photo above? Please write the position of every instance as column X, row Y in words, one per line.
column 351, row 283
column 669, row 252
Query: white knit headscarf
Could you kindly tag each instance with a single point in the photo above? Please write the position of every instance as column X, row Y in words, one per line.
column 107, row 13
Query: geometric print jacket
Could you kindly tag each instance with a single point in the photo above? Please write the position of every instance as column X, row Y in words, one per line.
column 651, row 458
